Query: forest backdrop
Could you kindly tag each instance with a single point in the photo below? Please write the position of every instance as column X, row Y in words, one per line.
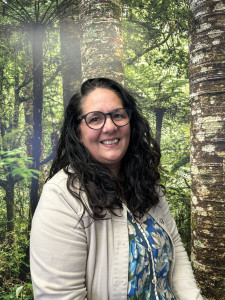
column 47, row 48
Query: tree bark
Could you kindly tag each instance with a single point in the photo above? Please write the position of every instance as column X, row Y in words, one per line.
column 159, row 113
column 207, row 94
column 28, row 115
column 70, row 56
column 9, row 198
column 37, row 39
column 102, row 41
column 8, row 186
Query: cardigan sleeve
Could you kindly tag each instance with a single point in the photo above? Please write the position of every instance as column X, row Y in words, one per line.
column 58, row 249
column 182, row 278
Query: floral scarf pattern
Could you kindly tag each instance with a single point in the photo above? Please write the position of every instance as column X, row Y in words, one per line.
column 141, row 284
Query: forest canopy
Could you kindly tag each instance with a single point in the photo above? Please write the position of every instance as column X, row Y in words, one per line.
column 41, row 67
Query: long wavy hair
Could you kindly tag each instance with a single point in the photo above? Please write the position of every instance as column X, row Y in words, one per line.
column 139, row 167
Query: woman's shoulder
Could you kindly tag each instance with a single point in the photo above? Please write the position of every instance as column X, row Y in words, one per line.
column 59, row 179
column 161, row 213
column 162, row 208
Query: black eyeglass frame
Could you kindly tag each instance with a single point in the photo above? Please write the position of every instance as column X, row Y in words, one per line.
column 129, row 112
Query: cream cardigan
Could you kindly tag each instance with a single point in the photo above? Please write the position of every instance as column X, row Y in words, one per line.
column 74, row 262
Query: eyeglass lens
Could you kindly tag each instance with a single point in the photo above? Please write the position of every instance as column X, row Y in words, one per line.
column 96, row 119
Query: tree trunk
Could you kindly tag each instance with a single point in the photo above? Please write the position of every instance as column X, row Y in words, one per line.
column 16, row 102
column 37, row 39
column 9, row 198
column 70, row 56
column 159, row 113
column 207, row 88
column 28, row 115
column 8, row 186
column 102, row 41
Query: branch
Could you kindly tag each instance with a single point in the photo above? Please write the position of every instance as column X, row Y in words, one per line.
column 25, row 83
column 29, row 17
column 14, row 18
column 187, row 184
column 37, row 5
column 59, row 9
column 18, row 14
column 132, row 60
column 144, row 24
column 24, row 99
column 178, row 190
column 47, row 159
column 18, row 178
column 49, row 81
column 42, row 19
column 159, row 109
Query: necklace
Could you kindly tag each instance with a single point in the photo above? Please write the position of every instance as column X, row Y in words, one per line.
column 149, row 249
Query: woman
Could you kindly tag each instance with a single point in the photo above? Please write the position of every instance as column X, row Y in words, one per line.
column 102, row 229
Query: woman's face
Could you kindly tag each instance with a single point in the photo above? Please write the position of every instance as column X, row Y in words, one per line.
column 109, row 144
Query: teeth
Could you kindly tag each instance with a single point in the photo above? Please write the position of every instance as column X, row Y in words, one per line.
column 110, row 142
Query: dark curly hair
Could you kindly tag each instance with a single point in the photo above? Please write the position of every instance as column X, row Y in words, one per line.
column 139, row 167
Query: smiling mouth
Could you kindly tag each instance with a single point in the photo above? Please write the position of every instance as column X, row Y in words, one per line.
column 111, row 142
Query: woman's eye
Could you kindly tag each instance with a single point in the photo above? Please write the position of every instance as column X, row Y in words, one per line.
column 118, row 116
column 94, row 120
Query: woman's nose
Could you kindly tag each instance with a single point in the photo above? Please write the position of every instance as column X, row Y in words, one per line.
column 109, row 125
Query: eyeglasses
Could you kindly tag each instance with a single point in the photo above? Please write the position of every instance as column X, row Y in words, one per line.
column 96, row 119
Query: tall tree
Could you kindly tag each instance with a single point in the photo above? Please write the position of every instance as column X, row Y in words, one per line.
column 70, row 53
column 102, row 42
column 207, row 95
column 9, row 121
column 35, row 19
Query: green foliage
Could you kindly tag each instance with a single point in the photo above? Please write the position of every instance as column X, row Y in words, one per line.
column 176, row 178
column 16, row 124
column 18, row 163
column 14, row 258
column 161, row 25
column 11, row 290
column 156, row 57
column 24, row 292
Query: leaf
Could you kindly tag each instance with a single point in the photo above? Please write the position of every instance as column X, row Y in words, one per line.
column 19, row 290
column 26, row 173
